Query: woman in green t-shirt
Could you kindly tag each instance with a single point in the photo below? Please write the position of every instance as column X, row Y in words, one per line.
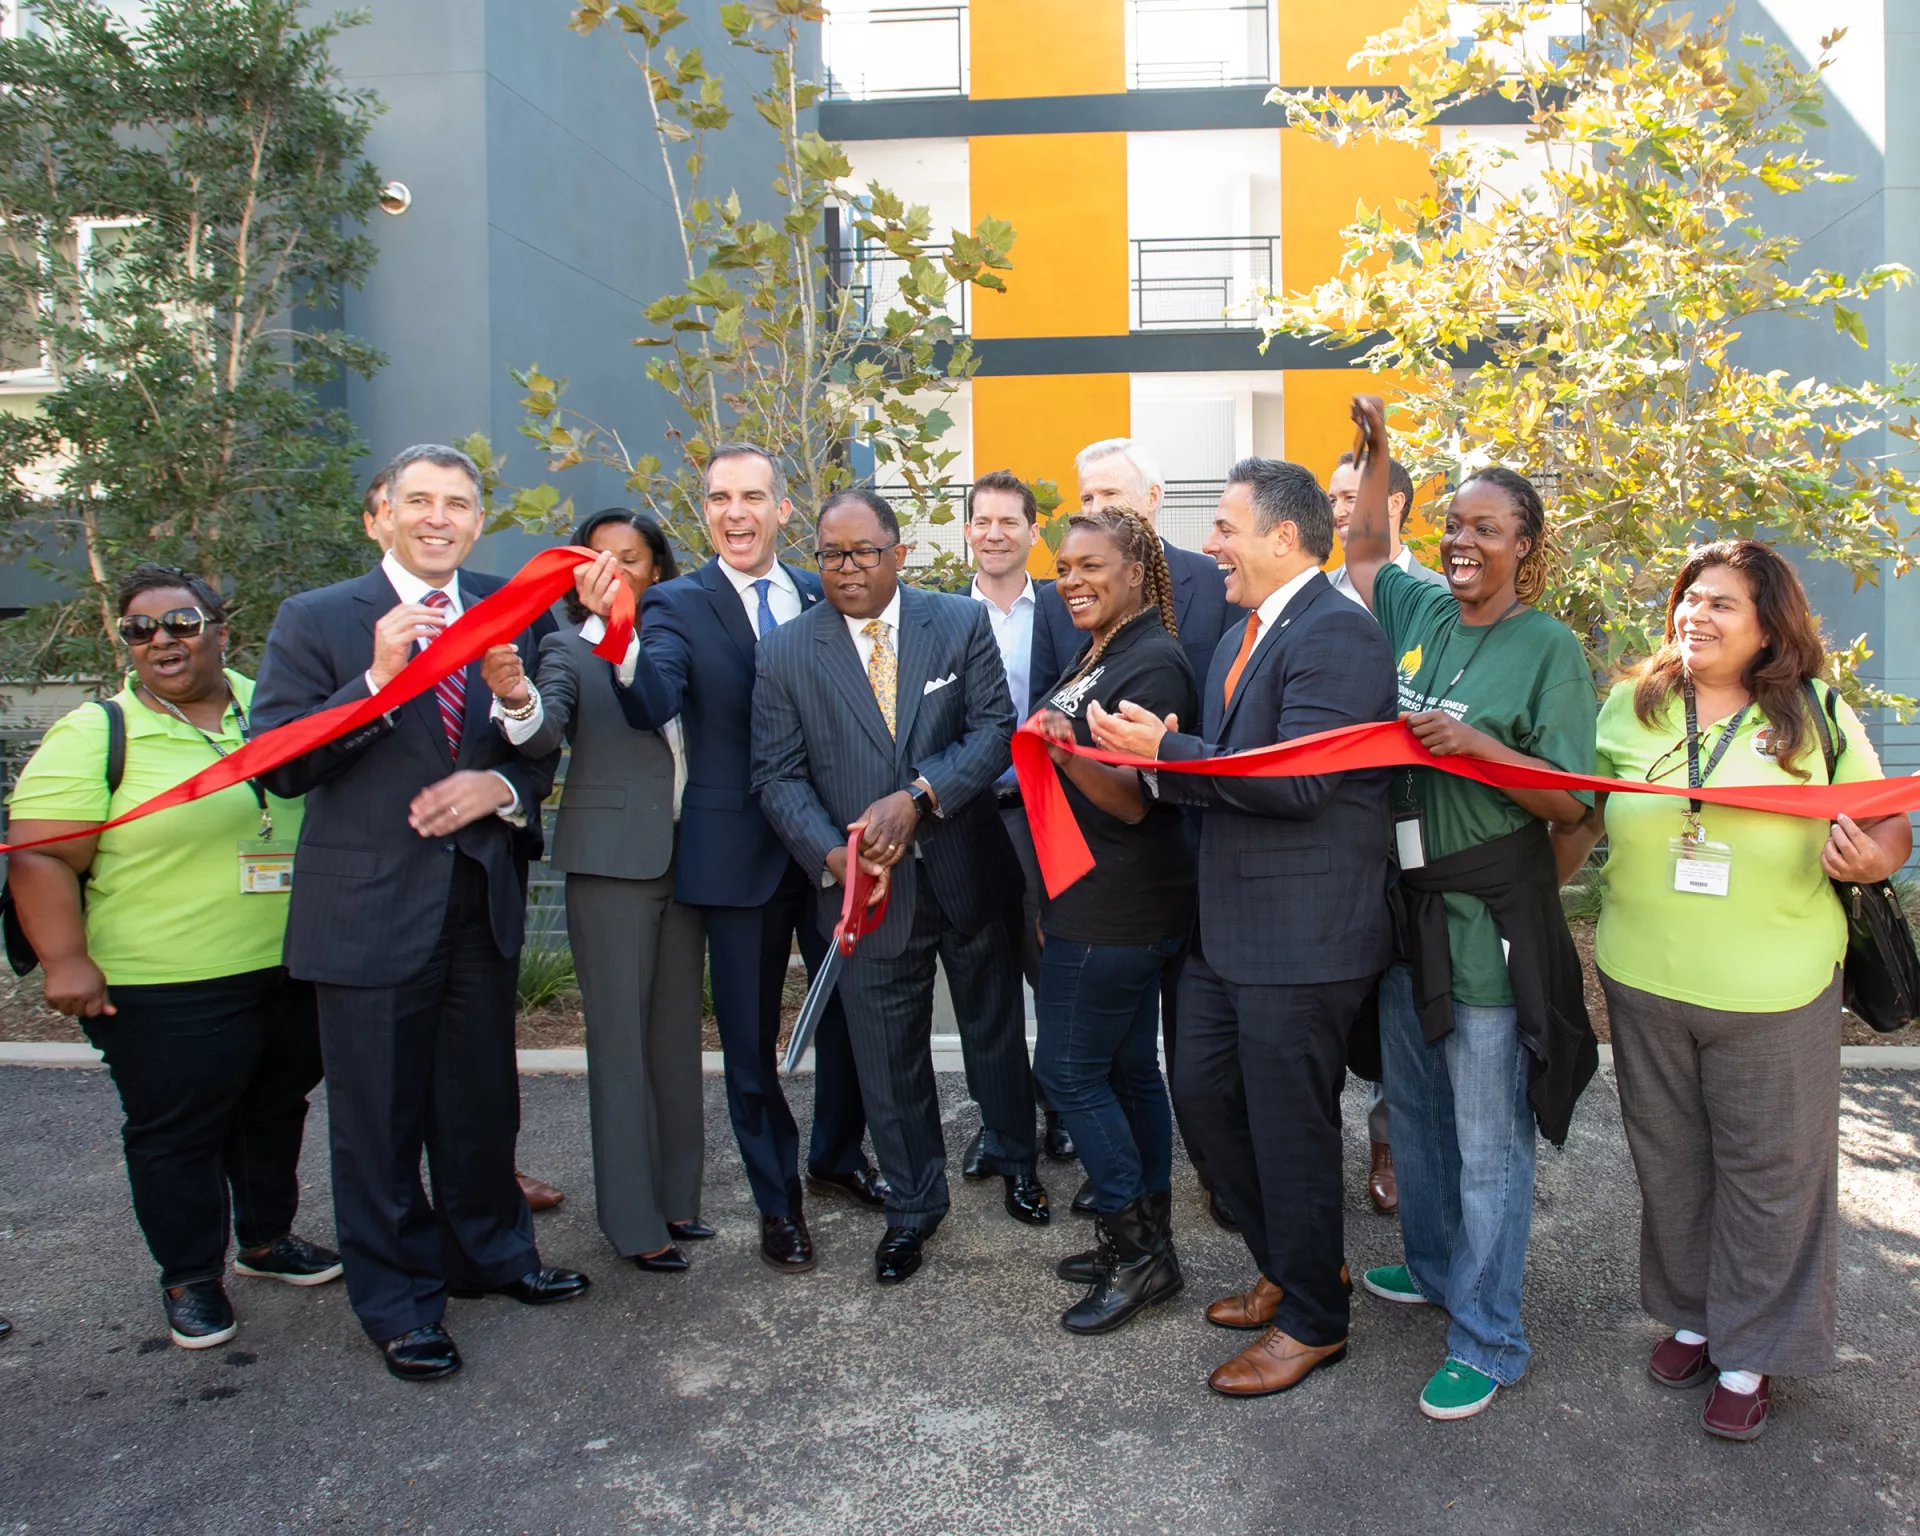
column 163, row 939
column 1486, row 1026
column 1719, row 949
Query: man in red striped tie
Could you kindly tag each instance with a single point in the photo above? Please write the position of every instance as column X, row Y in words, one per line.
column 407, row 915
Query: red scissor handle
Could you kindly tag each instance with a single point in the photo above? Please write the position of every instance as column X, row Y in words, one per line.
column 856, row 917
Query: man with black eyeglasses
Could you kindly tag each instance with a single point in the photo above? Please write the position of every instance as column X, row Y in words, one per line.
column 886, row 709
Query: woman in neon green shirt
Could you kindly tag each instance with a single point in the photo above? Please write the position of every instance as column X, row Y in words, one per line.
column 1719, row 948
column 170, row 955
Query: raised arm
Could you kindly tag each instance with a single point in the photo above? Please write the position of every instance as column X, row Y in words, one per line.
column 659, row 686
column 1369, row 538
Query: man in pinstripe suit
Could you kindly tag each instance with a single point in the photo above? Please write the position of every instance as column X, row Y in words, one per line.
column 886, row 708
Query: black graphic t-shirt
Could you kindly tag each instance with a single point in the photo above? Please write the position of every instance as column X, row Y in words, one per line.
column 1144, row 878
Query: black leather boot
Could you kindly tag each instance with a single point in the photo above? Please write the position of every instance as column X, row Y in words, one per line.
column 1088, row 1268
column 1143, row 1271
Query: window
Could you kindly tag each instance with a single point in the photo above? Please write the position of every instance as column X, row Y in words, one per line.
column 24, row 364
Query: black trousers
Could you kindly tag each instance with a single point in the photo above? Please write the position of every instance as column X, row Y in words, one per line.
column 1259, row 1079
column 890, row 1018
column 429, row 1065
column 747, row 952
column 214, row 1077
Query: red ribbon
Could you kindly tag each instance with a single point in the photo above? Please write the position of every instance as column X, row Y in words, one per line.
column 857, row 919
column 535, row 588
column 1064, row 855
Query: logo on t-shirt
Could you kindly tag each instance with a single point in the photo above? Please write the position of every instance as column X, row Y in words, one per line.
column 1410, row 664
column 1069, row 698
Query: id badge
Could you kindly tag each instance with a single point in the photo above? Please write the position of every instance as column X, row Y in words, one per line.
column 266, row 866
column 1701, row 868
column 1408, row 841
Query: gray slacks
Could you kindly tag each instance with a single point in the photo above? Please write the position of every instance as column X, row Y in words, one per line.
column 639, row 957
column 1733, row 1120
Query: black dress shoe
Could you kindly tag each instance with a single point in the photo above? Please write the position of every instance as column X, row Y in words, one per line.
column 536, row 1288
column 421, row 1354
column 1027, row 1200
column 669, row 1261
column 1056, row 1141
column 199, row 1315
column 786, row 1244
column 863, row 1184
column 898, row 1255
column 1221, row 1212
column 1083, row 1198
column 973, row 1162
column 690, row 1231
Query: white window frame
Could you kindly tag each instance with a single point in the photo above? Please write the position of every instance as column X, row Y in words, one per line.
column 37, row 380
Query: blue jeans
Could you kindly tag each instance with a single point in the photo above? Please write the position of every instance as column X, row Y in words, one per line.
column 1097, row 1060
column 1463, row 1151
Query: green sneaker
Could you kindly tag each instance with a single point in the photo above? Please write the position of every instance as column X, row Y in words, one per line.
column 1456, row 1391
column 1391, row 1282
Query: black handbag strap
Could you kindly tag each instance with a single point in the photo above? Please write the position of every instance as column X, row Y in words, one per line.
column 1827, row 723
column 116, row 744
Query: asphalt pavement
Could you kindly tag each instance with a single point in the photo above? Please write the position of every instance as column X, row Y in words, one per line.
column 735, row 1400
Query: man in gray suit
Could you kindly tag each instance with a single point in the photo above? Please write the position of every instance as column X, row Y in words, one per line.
column 886, row 708
column 1343, row 489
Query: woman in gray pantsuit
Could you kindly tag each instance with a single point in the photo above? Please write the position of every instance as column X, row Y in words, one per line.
column 1719, row 947
column 637, row 951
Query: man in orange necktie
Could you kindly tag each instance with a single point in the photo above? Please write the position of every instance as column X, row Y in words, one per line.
column 1293, row 914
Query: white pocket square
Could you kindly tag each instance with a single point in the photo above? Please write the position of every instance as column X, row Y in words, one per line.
column 940, row 683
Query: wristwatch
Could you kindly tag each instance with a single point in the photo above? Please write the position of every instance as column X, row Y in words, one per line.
column 922, row 798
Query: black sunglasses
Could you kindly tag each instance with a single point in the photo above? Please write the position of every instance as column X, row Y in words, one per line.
column 865, row 559
column 181, row 623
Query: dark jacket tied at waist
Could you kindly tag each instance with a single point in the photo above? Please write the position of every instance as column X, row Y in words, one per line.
column 1515, row 876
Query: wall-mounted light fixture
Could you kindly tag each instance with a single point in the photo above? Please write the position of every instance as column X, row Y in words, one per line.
column 395, row 198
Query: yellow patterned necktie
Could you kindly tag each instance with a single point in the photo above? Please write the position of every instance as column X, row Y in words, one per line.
column 883, row 676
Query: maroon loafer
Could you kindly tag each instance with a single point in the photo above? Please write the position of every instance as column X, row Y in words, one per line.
column 1681, row 1366
column 1736, row 1415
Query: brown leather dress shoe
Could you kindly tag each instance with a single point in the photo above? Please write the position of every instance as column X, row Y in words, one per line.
column 541, row 1196
column 1273, row 1363
column 1249, row 1309
column 1381, row 1183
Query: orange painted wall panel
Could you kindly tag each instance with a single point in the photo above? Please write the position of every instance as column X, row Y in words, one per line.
column 1046, row 48
column 1315, row 44
column 1320, row 187
column 1065, row 194
column 1035, row 425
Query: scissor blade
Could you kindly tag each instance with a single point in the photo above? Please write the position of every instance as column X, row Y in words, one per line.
column 818, row 996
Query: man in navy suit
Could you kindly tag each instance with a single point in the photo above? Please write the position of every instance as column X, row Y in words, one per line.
column 699, row 636
column 886, row 709
column 407, row 914
column 1119, row 472
column 1294, row 927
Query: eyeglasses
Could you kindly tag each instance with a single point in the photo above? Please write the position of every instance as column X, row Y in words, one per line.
column 866, row 558
column 181, row 623
column 1664, row 763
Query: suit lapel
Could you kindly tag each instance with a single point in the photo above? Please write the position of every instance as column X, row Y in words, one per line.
column 841, row 663
column 1270, row 646
column 913, row 665
column 728, row 608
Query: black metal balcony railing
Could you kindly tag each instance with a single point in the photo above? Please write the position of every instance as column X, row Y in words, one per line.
column 1184, row 44
column 1201, row 282
column 875, row 51
column 872, row 278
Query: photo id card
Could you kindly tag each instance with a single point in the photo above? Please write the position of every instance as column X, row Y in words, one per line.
column 1701, row 868
column 266, row 866
column 1407, row 840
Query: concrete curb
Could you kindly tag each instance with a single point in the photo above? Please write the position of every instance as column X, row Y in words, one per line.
column 946, row 1057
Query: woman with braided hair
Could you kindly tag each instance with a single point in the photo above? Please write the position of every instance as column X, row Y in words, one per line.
column 1107, row 937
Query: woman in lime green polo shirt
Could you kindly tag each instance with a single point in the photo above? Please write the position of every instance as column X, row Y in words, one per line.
column 1719, row 949
column 163, row 938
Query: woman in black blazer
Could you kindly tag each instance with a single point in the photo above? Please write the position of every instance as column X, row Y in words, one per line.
column 638, row 952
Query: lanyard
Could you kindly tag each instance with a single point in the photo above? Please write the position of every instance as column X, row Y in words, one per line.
column 246, row 734
column 1696, row 776
column 1454, row 681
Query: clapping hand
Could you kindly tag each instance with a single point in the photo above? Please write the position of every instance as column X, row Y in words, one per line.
column 1129, row 729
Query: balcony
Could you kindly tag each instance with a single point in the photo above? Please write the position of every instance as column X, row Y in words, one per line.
column 1201, row 283
column 871, row 275
column 874, row 52
column 1189, row 44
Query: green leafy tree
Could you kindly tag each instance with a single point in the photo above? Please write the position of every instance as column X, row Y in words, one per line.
column 180, row 200
column 1605, row 292
column 776, row 336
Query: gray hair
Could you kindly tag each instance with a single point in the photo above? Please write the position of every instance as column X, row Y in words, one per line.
column 745, row 451
column 439, row 454
column 1139, row 458
column 1287, row 493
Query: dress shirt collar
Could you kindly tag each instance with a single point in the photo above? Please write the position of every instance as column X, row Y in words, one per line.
column 1277, row 600
column 413, row 590
column 1026, row 596
column 890, row 616
column 743, row 583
